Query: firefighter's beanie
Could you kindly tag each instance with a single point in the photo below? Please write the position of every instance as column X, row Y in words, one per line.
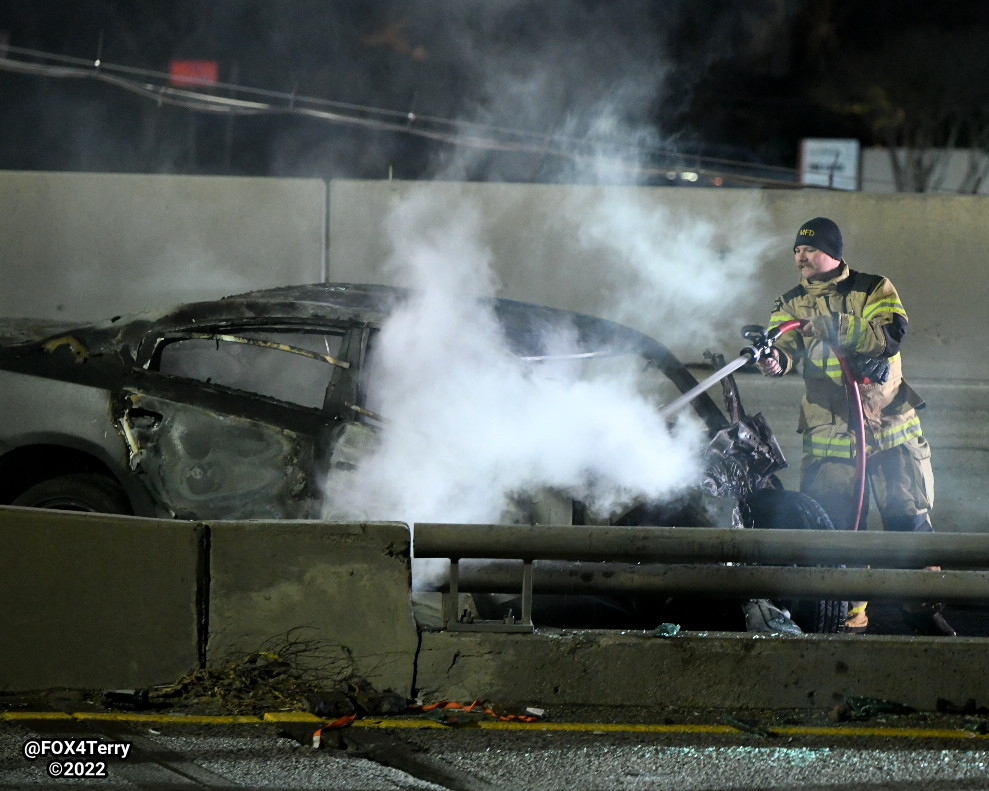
column 821, row 233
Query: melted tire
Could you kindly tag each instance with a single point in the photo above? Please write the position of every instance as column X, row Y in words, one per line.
column 778, row 509
column 77, row 492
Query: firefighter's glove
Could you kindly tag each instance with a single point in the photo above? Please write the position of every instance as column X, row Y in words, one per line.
column 871, row 369
column 820, row 327
column 769, row 364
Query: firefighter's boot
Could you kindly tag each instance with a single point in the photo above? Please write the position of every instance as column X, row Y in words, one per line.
column 858, row 621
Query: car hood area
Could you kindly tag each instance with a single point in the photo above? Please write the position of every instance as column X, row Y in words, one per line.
column 22, row 330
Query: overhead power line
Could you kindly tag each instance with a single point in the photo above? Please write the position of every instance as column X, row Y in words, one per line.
column 224, row 99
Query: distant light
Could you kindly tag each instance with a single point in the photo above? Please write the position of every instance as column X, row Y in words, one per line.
column 688, row 175
column 190, row 73
column 717, row 181
column 670, row 174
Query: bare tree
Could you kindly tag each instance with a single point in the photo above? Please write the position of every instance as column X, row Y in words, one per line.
column 922, row 94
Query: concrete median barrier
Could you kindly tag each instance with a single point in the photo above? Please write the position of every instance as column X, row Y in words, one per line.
column 709, row 670
column 94, row 601
column 345, row 588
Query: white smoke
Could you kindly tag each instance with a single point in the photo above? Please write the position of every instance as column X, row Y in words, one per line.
column 687, row 279
column 471, row 426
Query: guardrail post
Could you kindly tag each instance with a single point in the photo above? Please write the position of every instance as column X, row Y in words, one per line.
column 450, row 599
column 527, row 592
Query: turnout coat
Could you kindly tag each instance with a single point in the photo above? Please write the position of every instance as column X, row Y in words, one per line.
column 868, row 322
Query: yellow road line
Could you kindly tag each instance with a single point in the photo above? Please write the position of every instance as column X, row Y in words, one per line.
column 292, row 716
column 586, row 727
column 197, row 719
column 624, row 727
column 171, row 719
column 912, row 733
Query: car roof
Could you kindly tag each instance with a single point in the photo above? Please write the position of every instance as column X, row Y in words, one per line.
column 525, row 324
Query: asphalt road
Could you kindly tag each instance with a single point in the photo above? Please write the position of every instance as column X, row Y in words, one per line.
column 882, row 748
column 648, row 750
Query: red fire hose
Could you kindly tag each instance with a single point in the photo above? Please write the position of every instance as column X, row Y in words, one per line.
column 855, row 398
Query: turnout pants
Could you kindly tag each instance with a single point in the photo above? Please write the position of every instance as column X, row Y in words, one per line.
column 900, row 479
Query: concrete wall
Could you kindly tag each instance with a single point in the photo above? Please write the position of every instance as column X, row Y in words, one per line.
column 957, row 171
column 84, row 246
column 93, row 601
column 88, row 246
column 708, row 670
column 931, row 246
column 343, row 588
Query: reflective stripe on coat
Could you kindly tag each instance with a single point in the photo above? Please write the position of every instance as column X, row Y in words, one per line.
column 863, row 306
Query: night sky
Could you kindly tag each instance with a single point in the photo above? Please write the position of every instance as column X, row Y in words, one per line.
column 490, row 90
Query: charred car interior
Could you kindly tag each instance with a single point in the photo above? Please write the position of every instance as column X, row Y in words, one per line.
column 239, row 408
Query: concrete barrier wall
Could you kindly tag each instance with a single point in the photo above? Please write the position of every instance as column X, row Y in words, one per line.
column 97, row 602
column 93, row 601
column 344, row 588
column 85, row 246
column 88, row 246
column 541, row 248
column 707, row 670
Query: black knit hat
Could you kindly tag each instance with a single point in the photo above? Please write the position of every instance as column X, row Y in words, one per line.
column 821, row 233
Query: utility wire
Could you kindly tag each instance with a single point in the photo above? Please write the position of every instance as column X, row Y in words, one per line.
column 153, row 85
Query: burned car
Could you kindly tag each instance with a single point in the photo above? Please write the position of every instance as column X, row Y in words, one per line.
column 237, row 408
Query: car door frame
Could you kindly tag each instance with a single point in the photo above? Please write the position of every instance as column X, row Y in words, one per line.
column 311, row 426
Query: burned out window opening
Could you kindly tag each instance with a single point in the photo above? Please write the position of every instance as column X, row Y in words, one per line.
column 295, row 367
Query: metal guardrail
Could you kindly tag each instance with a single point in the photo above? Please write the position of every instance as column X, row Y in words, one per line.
column 701, row 561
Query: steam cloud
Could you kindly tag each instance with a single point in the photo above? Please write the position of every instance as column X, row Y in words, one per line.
column 470, row 427
column 680, row 277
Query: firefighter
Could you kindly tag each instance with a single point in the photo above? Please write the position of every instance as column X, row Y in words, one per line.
column 862, row 315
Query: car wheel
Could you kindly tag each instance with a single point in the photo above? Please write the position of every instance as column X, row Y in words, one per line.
column 77, row 492
column 782, row 508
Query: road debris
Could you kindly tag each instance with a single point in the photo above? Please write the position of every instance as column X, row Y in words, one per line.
column 667, row 630
column 748, row 727
column 287, row 672
column 329, row 703
column 762, row 615
column 856, row 708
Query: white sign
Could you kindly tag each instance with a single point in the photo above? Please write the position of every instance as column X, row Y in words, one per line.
column 830, row 162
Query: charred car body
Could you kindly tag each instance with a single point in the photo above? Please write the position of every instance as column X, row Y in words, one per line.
column 237, row 408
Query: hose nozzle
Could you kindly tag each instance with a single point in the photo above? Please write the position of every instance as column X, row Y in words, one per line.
column 762, row 340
